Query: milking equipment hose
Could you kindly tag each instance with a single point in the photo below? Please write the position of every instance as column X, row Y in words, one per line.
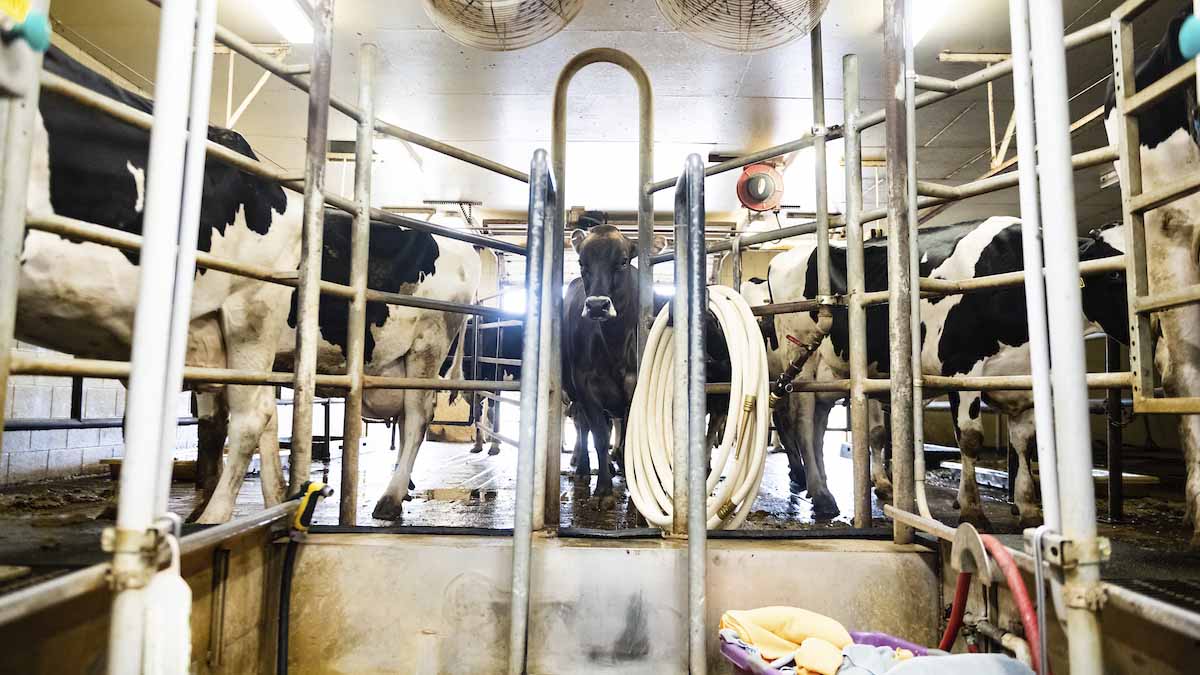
column 735, row 476
column 309, row 494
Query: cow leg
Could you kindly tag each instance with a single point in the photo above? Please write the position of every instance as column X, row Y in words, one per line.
column 273, row 487
column 250, row 412
column 618, row 452
column 790, row 440
column 251, row 334
column 212, row 424
column 581, row 459
column 1021, row 432
column 480, row 405
column 494, row 424
column 418, row 410
column 601, row 430
column 964, row 409
column 877, row 441
column 824, row 505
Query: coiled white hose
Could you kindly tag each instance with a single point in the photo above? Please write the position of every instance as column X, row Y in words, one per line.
column 738, row 467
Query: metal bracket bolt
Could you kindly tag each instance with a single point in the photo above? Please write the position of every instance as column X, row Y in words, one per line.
column 144, row 543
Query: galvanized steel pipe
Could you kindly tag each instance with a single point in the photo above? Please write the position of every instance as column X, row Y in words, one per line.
column 855, row 281
column 899, row 278
column 308, row 293
column 543, row 210
column 360, row 246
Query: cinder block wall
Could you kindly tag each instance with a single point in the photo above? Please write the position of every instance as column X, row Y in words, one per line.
column 36, row 455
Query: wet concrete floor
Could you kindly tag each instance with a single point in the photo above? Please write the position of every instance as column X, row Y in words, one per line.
column 54, row 523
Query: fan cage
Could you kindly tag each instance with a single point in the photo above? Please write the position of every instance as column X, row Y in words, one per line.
column 744, row 25
column 501, row 25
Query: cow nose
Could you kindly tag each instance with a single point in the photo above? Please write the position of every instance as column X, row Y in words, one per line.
column 599, row 307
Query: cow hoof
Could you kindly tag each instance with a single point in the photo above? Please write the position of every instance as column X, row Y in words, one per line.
column 605, row 502
column 1031, row 520
column 387, row 509
column 798, row 484
column 583, row 471
column 976, row 518
column 494, row 450
column 476, row 450
column 1012, row 508
column 110, row 513
column 825, row 507
column 884, row 492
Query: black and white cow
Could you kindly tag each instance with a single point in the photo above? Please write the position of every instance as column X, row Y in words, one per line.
column 975, row 334
column 1170, row 149
column 802, row 440
column 80, row 297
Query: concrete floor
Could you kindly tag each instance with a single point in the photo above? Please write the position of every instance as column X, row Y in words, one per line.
column 55, row 523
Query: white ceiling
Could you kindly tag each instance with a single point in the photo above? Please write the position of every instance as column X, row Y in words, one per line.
column 498, row 104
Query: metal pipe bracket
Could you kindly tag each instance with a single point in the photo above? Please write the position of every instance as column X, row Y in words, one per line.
column 1063, row 554
column 144, row 543
column 1091, row 597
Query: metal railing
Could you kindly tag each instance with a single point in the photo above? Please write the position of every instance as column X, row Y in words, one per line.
column 304, row 378
column 1135, row 203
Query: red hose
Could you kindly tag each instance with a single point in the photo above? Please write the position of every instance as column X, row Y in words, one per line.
column 1016, row 585
column 961, row 588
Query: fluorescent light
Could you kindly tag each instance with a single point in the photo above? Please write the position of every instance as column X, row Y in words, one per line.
column 924, row 14
column 289, row 19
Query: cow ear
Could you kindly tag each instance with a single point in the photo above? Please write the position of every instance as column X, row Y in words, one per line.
column 577, row 237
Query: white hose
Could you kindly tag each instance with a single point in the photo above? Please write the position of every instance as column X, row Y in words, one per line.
column 738, row 470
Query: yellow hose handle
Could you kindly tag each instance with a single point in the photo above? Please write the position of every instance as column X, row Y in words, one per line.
column 310, row 494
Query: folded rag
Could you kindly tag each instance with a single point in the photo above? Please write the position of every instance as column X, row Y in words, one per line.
column 817, row 640
column 871, row 660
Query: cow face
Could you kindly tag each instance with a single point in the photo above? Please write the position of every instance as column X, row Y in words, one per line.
column 608, row 278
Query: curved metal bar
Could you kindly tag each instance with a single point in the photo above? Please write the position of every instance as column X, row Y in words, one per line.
column 558, row 153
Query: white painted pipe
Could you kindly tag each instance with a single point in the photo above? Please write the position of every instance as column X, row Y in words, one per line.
column 1068, row 377
column 1031, row 242
column 189, row 223
column 148, row 369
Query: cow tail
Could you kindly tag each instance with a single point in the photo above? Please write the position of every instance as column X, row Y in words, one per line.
column 456, row 368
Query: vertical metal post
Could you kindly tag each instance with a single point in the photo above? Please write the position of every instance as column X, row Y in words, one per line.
column 308, row 291
column 17, row 119
column 148, row 371
column 1113, row 440
column 679, row 324
column 189, row 224
column 855, row 281
column 549, row 454
column 1031, row 246
column 689, row 206
column 360, row 247
column 736, row 253
column 543, row 211
column 1137, row 280
column 899, row 262
column 819, row 167
column 1068, row 379
column 914, row 261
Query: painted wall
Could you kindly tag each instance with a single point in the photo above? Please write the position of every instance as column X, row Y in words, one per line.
column 35, row 455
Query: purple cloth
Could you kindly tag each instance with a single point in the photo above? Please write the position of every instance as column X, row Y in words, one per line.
column 885, row 640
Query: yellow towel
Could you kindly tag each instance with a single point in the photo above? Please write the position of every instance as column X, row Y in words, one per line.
column 779, row 631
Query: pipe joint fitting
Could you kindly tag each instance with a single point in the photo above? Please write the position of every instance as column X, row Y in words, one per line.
column 1085, row 596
